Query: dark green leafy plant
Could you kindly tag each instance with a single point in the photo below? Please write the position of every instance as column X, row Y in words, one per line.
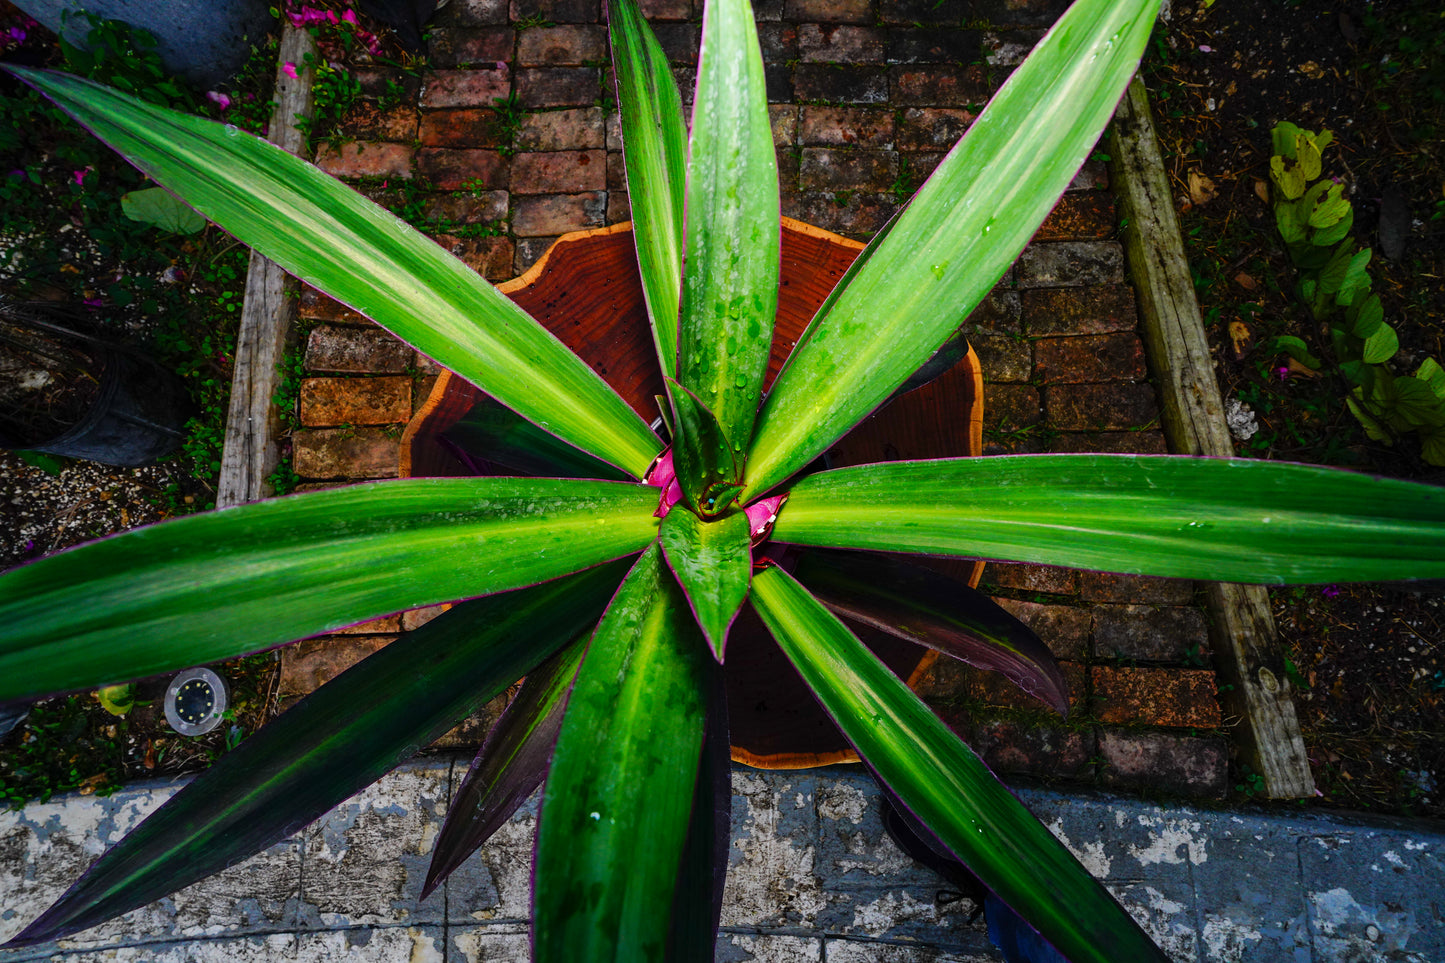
column 1314, row 219
column 614, row 589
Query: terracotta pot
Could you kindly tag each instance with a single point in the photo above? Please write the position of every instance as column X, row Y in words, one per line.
column 586, row 290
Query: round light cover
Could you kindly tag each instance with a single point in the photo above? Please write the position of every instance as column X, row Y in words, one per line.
column 195, row 701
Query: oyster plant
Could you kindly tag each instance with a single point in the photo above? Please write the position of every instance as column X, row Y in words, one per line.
column 615, row 598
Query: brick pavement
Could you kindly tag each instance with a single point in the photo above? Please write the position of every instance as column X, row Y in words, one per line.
column 866, row 95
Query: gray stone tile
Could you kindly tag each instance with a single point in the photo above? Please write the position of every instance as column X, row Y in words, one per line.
column 1374, row 896
column 254, row 949
column 366, row 860
column 853, row 951
column 772, row 877
column 368, row 944
column 1165, row 910
column 46, row 847
column 1251, row 901
column 761, row 948
column 495, row 883
column 488, row 944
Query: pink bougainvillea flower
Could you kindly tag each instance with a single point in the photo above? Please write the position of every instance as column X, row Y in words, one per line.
column 290, row 69
column 94, row 302
column 1330, row 591
column 219, row 99
column 349, row 16
column 79, row 176
column 16, row 34
column 1282, row 372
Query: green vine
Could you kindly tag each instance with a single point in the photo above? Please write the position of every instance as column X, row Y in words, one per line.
column 1314, row 219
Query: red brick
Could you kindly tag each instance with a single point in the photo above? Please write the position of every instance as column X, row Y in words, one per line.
column 841, row 43
column 318, row 307
column 829, row 11
column 918, row 12
column 1165, row 762
column 783, row 119
column 471, row 207
column 451, row 170
column 1018, row 748
column 381, row 626
column 933, row 128
column 667, row 9
column 826, row 169
column 853, row 213
column 491, row 257
column 366, row 121
column 1111, row 442
column 1178, row 698
column 465, row 88
column 779, row 42
column 865, row 127
column 1004, row 358
column 557, row 11
column 344, row 453
column 843, row 84
column 548, row 215
column 616, row 172
column 358, row 159
column 559, row 172
column 470, row 127
column 1032, row 578
column 1012, row 406
column 1087, row 310
column 558, row 86
column 311, row 663
column 1093, row 176
column 332, row 347
column 473, row 13
column 1107, row 587
column 568, row 45
column 1070, row 263
column 577, row 128
column 952, row 680
column 1100, row 407
column 530, row 251
column 355, row 401
column 416, row 618
column 387, row 82
column 942, row 85
column 934, row 45
column 459, row 47
column 1090, row 357
column 1151, row 633
column 619, row 207
column 1080, row 216
column 1064, row 628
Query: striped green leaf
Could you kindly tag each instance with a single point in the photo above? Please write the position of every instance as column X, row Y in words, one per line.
column 338, row 241
column 963, row 229
column 492, row 436
column 616, row 805
column 730, row 282
column 945, row 784
column 1230, row 520
column 713, row 561
column 511, row 763
column 213, row 586
column 332, row 744
column 654, row 151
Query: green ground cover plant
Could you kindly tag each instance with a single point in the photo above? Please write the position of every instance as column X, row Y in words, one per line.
column 615, row 597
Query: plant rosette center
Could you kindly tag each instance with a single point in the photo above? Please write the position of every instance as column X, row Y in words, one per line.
column 761, row 513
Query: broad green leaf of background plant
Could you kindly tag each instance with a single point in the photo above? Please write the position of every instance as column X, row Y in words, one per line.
column 512, row 762
column 963, row 229
column 916, row 603
column 331, row 744
column 730, row 282
column 654, row 150
column 146, row 602
column 338, row 241
column 160, row 208
column 618, row 796
column 713, row 561
column 1223, row 520
column 945, row 784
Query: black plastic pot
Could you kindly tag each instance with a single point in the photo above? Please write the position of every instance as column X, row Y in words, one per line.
column 133, row 412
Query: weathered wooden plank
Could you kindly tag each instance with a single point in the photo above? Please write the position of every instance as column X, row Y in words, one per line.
column 251, row 449
column 1256, row 690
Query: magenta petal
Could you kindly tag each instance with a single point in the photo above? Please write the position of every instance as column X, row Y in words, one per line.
column 761, row 515
column 662, row 473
